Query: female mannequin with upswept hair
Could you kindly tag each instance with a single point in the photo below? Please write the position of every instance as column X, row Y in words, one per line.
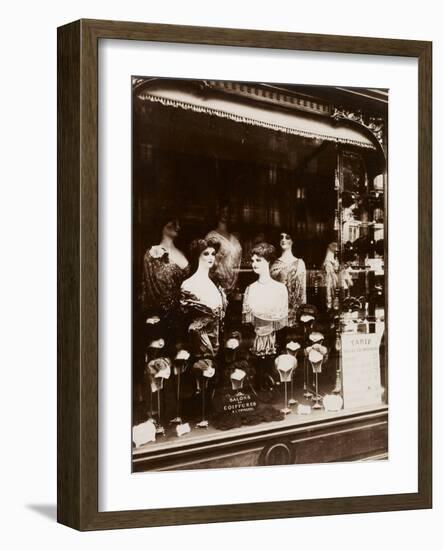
column 164, row 269
column 202, row 301
column 291, row 271
column 265, row 303
column 331, row 266
column 227, row 265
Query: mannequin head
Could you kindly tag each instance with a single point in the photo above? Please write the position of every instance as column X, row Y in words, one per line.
column 262, row 255
column 285, row 241
column 170, row 228
column 164, row 225
column 207, row 258
column 223, row 215
column 203, row 253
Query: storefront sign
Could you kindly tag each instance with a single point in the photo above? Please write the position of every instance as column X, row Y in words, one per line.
column 361, row 370
column 239, row 403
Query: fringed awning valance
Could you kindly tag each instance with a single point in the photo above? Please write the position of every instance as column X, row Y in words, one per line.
column 287, row 122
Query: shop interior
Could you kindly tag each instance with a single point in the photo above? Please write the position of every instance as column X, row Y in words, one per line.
column 317, row 190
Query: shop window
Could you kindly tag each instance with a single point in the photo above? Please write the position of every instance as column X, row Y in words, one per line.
column 249, row 309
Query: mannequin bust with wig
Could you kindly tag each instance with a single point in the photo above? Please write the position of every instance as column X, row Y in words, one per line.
column 203, row 254
column 291, row 271
column 265, row 303
column 228, row 259
column 164, row 268
column 202, row 302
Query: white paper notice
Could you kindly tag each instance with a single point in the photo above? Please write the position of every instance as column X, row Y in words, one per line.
column 361, row 370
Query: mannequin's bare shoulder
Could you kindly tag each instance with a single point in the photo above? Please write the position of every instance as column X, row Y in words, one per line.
column 189, row 283
column 180, row 259
column 281, row 288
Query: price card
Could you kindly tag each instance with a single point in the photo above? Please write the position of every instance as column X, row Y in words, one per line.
column 361, row 369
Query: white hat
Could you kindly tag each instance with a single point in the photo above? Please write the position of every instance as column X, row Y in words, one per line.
column 209, row 372
column 238, row 374
column 232, row 343
column 285, row 362
column 316, row 337
column 182, row 355
column 157, row 344
column 305, row 318
column 152, row 320
column 322, row 349
column 293, row 346
column 315, row 356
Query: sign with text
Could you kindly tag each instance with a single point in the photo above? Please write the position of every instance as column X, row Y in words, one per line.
column 239, row 403
column 361, row 370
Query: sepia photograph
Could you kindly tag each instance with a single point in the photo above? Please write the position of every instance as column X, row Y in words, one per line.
column 259, row 274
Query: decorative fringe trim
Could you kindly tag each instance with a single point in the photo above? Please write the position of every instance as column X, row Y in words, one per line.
column 252, row 122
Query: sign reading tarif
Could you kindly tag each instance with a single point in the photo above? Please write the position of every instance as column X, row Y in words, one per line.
column 361, row 370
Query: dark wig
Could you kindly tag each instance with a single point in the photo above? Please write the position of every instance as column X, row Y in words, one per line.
column 196, row 248
column 290, row 234
column 158, row 223
column 265, row 250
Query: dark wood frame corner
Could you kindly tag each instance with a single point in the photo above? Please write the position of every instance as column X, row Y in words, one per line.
column 77, row 274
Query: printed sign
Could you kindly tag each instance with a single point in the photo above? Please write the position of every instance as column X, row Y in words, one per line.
column 239, row 403
column 361, row 369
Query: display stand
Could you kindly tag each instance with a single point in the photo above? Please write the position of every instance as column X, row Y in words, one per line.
column 285, row 365
column 179, row 367
column 307, row 321
column 160, row 430
column 292, row 349
column 203, row 422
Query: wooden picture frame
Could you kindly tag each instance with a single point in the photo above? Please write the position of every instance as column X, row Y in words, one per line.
column 78, row 273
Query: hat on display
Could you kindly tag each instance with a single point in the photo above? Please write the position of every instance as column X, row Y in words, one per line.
column 232, row 343
column 238, row 374
column 153, row 320
column 293, row 346
column 307, row 313
column 237, row 379
column 285, row 364
column 316, row 359
column 316, row 337
column 320, row 348
column 159, row 343
column 159, row 368
column 182, row 355
column 206, row 366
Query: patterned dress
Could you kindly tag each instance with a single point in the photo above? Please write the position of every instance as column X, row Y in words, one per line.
column 265, row 306
column 331, row 266
column 293, row 275
column 205, row 323
column 161, row 283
